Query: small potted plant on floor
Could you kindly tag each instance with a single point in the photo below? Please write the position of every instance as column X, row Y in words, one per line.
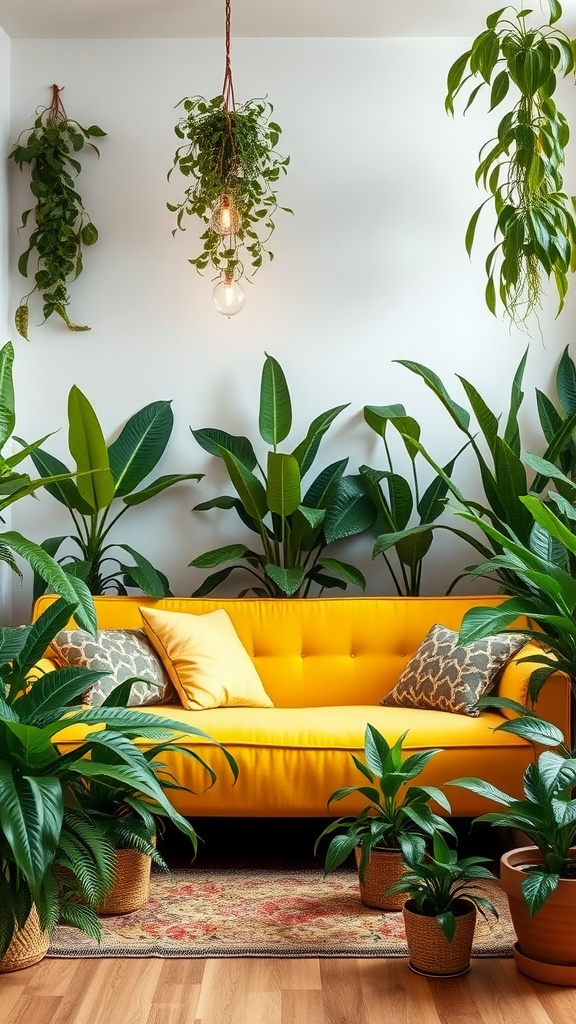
column 442, row 897
column 394, row 823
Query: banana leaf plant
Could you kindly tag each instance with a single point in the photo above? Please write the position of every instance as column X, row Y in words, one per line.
column 293, row 524
column 503, row 465
column 45, row 822
column 14, row 485
column 396, row 498
column 548, row 598
column 106, row 487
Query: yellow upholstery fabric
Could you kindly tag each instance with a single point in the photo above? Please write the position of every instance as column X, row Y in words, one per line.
column 326, row 663
column 205, row 660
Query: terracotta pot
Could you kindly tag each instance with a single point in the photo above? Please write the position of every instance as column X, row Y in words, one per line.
column 29, row 945
column 131, row 888
column 384, row 868
column 548, row 938
column 429, row 950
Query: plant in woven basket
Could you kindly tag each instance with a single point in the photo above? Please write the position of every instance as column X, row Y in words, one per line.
column 229, row 156
column 521, row 167
column 437, row 882
column 62, row 226
column 54, row 853
column 397, row 816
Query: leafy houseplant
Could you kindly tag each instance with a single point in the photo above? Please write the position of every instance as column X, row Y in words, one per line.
column 229, row 156
column 440, row 912
column 503, row 466
column 293, row 528
column 396, row 497
column 521, row 167
column 62, row 226
column 397, row 817
column 105, row 490
column 45, row 825
column 15, row 485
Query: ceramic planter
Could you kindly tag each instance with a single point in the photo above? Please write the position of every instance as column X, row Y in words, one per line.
column 131, row 888
column 546, row 947
column 429, row 950
column 29, row 945
column 384, row 868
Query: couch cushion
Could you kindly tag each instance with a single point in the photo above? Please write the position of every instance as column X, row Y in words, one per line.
column 446, row 677
column 122, row 653
column 205, row 659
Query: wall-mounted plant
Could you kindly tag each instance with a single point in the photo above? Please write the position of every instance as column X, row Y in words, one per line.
column 229, row 156
column 521, row 167
column 61, row 224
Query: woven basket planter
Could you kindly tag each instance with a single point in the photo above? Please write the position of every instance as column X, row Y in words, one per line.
column 384, row 868
column 131, row 888
column 29, row 945
column 430, row 952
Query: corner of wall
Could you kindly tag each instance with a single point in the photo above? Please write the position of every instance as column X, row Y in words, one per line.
column 5, row 93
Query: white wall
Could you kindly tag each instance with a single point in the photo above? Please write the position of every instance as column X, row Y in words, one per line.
column 5, row 326
column 370, row 269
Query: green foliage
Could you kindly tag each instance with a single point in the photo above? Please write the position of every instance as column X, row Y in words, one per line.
column 547, row 813
column 507, row 473
column 436, row 883
column 14, row 485
column 108, row 476
column 521, row 167
column 229, row 153
column 396, row 498
column 62, row 227
column 46, row 821
column 397, row 816
column 293, row 528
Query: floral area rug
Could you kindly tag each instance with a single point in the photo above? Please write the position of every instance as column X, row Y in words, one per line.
column 264, row 913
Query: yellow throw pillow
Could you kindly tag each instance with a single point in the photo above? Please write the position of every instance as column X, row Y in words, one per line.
column 205, row 659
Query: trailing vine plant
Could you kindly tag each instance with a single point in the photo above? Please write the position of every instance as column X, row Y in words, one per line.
column 521, row 167
column 229, row 156
column 61, row 224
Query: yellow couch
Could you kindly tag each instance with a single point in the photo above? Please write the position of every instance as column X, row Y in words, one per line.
column 326, row 663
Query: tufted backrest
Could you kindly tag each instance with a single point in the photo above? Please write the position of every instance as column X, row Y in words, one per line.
column 314, row 651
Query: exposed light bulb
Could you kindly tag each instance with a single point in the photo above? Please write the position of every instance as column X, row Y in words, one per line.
column 228, row 295
column 225, row 217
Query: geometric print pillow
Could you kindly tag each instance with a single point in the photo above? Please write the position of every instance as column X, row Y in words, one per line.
column 122, row 653
column 444, row 677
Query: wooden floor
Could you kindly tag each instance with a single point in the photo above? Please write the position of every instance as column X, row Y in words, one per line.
column 273, row 991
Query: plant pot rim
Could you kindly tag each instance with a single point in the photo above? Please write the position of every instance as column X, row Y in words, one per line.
column 460, row 908
column 512, row 873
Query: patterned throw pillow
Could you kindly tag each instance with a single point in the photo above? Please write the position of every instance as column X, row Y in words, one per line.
column 445, row 677
column 122, row 653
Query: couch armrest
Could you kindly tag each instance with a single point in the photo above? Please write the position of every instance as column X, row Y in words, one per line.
column 554, row 699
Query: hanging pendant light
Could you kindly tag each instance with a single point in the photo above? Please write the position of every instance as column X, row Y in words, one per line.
column 228, row 296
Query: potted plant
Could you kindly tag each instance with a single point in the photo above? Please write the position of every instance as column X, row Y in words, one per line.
column 521, row 167
column 108, row 478
column 393, row 825
column 293, row 528
column 51, row 149
column 56, row 855
column 442, row 897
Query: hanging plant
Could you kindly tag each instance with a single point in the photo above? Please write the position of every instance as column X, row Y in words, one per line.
column 521, row 167
column 61, row 225
column 229, row 155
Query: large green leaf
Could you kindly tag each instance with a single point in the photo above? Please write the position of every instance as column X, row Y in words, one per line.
column 283, row 484
column 305, row 452
column 220, row 556
column 566, row 382
column 148, row 579
column 65, row 490
column 216, row 442
column 7, row 414
column 88, row 449
column 58, row 580
column 344, row 571
column 320, row 492
column 350, row 512
column 460, row 416
column 140, row 446
column 159, row 485
column 275, row 415
column 288, row 581
column 31, row 812
column 250, row 490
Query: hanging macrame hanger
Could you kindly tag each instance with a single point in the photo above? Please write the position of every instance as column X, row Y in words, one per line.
column 228, row 86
